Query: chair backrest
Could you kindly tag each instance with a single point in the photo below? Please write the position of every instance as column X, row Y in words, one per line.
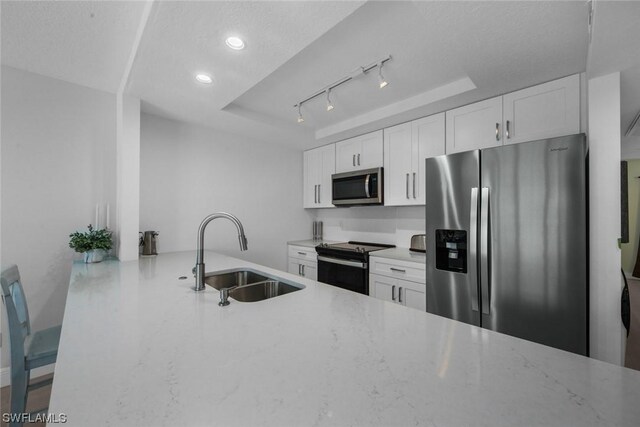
column 16, row 306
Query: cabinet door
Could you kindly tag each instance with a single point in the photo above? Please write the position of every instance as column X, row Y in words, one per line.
column 544, row 111
column 327, row 167
column 371, row 153
column 428, row 140
column 310, row 171
column 412, row 295
column 346, row 153
column 383, row 288
column 475, row 126
column 294, row 267
column 360, row 152
column 309, row 270
column 397, row 165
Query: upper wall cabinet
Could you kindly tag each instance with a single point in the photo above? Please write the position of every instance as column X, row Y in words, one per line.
column 406, row 146
column 319, row 165
column 361, row 152
column 544, row 111
column 475, row 126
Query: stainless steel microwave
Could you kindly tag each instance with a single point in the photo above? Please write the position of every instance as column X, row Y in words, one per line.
column 363, row 187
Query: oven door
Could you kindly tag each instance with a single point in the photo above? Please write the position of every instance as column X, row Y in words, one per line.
column 362, row 187
column 343, row 273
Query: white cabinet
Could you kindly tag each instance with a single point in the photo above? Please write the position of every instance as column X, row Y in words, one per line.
column 302, row 261
column 400, row 282
column 319, row 165
column 543, row 111
column 475, row 126
column 403, row 292
column 406, row 146
column 361, row 152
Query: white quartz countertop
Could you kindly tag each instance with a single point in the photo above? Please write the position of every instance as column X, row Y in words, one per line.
column 403, row 254
column 140, row 348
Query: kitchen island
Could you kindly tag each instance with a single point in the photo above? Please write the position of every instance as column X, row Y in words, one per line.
column 140, row 348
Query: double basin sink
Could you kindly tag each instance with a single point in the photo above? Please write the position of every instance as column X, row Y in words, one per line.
column 247, row 285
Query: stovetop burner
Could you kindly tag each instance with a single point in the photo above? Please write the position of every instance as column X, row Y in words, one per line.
column 350, row 249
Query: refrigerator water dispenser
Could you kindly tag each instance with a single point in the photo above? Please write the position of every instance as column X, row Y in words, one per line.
column 451, row 250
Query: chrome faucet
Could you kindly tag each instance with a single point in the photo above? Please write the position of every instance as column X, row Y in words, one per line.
column 199, row 268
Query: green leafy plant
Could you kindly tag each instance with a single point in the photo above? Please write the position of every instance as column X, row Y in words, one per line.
column 94, row 239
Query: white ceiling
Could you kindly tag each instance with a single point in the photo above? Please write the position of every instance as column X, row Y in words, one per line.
column 83, row 42
column 294, row 48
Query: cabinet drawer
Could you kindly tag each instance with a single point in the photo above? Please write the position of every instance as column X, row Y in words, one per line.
column 303, row 253
column 405, row 270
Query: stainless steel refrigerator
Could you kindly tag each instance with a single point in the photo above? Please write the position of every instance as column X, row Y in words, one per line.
column 507, row 227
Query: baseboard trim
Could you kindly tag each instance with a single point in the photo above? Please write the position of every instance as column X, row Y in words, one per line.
column 5, row 373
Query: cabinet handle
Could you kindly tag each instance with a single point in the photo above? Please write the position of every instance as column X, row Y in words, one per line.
column 354, row 160
column 302, row 253
column 497, row 131
column 358, row 159
column 319, row 191
column 397, row 269
column 407, row 186
column 508, row 136
column 414, row 185
column 315, row 194
column 299, row 269
column 302, row 270
column 393, row 293
column 400, row 294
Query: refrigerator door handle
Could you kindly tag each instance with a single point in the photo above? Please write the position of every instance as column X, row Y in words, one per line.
column 485, row 256
column 473, row 235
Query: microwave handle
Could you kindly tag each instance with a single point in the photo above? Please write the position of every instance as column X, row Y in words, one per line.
column 366, row 186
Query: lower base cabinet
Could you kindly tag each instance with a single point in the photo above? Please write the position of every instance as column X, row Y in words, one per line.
column 302, row 261
column 403, row 292
column 307, row 269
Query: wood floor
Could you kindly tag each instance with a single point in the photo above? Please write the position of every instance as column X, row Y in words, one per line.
column 38, row 399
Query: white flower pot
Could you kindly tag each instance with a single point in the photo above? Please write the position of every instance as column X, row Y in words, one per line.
column 94, row 255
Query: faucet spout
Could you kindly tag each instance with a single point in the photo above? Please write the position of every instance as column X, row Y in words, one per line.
column 199, row 268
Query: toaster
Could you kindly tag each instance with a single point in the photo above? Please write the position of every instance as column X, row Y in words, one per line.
column 418, row 243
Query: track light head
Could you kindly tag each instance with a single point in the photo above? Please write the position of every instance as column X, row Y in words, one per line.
column 329, row 104
column 381, row 80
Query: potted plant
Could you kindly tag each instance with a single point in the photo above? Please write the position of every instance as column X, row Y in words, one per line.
column 93, row 244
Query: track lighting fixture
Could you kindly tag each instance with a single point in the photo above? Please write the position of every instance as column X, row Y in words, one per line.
column 382, row 82
column 329, row 104
column 300, row 118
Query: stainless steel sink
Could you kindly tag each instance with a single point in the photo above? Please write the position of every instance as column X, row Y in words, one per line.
column 246, row 285
column 233, row 278
column 261, row 291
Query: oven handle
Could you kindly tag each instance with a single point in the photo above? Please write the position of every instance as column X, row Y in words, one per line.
column 357, row 264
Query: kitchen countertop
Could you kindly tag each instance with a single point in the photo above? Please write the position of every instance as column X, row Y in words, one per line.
column 403, row 254
column 311, row 243
column 140, row 348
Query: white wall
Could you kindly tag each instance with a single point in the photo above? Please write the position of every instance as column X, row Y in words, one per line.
column 58, row 161
column 376, row 224
column 188, row 172
column 604, row 218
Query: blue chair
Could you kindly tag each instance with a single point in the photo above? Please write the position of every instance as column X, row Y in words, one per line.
column 28, row 350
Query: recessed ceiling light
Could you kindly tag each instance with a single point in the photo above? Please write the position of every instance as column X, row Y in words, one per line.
column 235, row 43
column 204, row 78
